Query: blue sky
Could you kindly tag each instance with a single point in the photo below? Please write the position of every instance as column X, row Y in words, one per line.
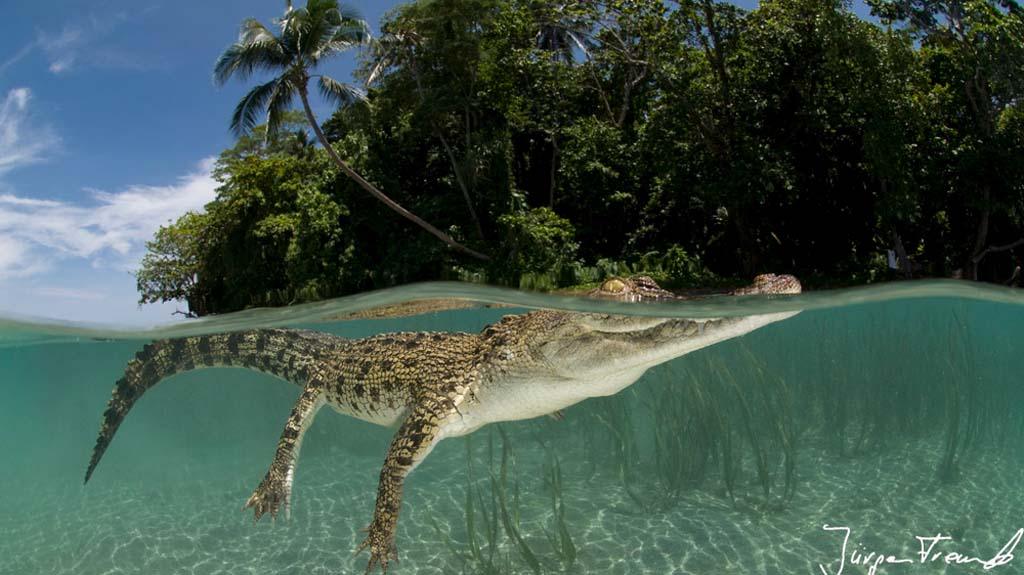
column 109, row 123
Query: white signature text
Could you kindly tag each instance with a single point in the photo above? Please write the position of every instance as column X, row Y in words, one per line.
column 930, row 552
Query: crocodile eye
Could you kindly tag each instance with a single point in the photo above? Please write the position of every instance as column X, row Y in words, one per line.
column 613, row 285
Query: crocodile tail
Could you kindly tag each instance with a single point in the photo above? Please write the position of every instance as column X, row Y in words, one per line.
column 288, row 354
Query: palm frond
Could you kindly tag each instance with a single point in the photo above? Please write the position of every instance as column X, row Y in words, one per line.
column 323, row 28
column 382, row 62
column 387, row 51
column 280, row 102
column 257, row 49
column 349, row 12
column 292, row 29
column 339, row 93
column 580, row 41
column 252, row 31
column 341, row 38
column 251, row 106
column 321, row 8
column 320, row 20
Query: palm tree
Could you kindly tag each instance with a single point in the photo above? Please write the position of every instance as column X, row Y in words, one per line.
column 308, row 36
column 560, row 28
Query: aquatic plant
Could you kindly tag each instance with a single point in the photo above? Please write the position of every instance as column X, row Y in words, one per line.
column 686, row 425
column 494, row 510
column 615, row 425
column 761, row 404
column 510, row 521
column 559, row 537
column 963, row 421
column 489, row 514
column 919, row 376
column 777, row 408
column 699, row 417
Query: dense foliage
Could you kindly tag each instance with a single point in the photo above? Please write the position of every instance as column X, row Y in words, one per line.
column 567, row 139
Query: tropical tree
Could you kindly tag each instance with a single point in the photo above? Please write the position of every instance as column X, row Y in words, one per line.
column 974, row 52
column 308, row 36
column 171, row 268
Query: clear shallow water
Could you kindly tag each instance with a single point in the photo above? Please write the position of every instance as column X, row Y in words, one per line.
column 895, row 411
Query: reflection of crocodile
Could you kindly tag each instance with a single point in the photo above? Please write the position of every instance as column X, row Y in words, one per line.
column 435, row 385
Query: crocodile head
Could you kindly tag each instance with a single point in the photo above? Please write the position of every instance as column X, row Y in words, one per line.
column 599, row 354
column 771, row 284
column 644, row 288
column 635, row 288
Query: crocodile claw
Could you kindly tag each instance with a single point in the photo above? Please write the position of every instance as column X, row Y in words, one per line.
column 382, row 547
column 271, row 495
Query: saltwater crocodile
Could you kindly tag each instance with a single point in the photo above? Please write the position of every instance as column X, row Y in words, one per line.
column 436, row 385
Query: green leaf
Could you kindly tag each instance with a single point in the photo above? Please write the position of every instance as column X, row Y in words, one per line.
column 251, row 106
column 339, row 93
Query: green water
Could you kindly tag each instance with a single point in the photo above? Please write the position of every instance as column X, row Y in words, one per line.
column 894, row 411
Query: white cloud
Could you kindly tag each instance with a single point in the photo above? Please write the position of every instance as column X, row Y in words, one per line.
column 112, row 232
column 21, row 141
column 70, row 293
column 16, row 259
column 86, row 43
column 24, row 51
column 62, row 49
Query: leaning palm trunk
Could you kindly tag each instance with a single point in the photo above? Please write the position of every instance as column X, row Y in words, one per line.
column 377, row 193
column 394, row 45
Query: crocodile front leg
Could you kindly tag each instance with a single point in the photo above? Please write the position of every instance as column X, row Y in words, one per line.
column 276, row 488
column 417, row 436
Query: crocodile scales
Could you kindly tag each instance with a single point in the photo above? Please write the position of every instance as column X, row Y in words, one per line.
column 437, row 385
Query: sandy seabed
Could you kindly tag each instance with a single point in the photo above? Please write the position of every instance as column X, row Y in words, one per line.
column 121, row 526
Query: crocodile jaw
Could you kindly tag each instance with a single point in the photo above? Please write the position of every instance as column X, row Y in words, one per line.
column 675, row 338
column 598, row 364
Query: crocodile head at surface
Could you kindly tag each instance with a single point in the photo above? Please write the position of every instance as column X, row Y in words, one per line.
column 634, row 288
column 643, row 288
column 546, row 360
column 585, row 344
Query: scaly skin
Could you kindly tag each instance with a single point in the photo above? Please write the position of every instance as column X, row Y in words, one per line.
column 636, row 288
column 436, row 385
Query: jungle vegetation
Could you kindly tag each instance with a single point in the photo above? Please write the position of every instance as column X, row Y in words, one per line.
column 563, row 140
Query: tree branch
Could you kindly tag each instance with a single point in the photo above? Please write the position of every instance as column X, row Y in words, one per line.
column 997, row 249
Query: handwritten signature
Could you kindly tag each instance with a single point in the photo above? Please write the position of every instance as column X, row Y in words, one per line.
column 928, row 554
